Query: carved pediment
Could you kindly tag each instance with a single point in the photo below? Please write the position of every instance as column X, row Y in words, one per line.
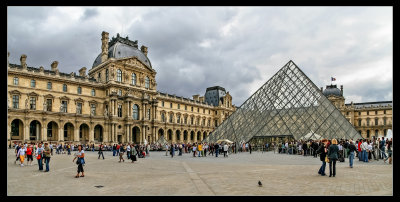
column 93, row 102
column 49, row 96
column 64, row 98
column 33, row 94
column 15, row 92
column 79, row 100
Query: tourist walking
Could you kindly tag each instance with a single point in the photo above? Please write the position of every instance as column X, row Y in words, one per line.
column 382, row 148
column 205, row 148
column 216, row 148
column 250, row 148
column 389, row 146
column 180, row 150
column 121, row 153
column 128, row 151
column 133, row 153
column 364, row 151
column 47, row 155
column 29, row 153
column 194, row 150
column 172, row 150
column 333, row 156
column 352, row 149
column 80, row 162
column 17, row 148
column 166, row 149
column 322, row 151
column 21, row 154
column 200, row 148
column 226, row 150
column 39, row 156
column 360, row 156
column 101, row 151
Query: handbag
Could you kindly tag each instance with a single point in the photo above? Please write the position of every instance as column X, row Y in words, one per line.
column 39, row 157
column 326, row 159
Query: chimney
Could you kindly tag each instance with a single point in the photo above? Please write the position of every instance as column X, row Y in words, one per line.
column 144, row 50
column 82, row 72
column 104, row 46
column 54, row 66
column 23, row 61
column 196, row 97
column 341, row 89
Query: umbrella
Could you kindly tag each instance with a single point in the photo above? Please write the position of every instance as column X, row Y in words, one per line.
column 224, row 140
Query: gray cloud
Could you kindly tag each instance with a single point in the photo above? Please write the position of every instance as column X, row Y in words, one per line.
column 237, row 48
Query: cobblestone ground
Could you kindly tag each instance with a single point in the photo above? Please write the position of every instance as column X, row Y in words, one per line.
column 238, row 174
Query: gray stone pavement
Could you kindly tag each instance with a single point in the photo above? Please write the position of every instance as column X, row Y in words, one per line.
column 238, row 174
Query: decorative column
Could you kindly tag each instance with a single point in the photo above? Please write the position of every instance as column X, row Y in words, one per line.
column 144, row 111
column 76, row 134
column 115, row 133
column 61, row 134
column 91, row 134
column 115, row 107
column 143, row 135
column 130, row 109
column 112, row 133
column 26, row 133
column 44, row 133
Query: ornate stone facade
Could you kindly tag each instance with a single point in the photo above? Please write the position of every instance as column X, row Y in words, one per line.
column 369, row 118
column 116, row 102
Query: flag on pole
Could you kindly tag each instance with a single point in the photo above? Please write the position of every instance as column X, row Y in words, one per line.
column 333, row 79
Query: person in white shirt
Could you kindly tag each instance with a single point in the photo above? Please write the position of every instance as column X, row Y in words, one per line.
column 166, row 149
column 226, row 150
column 364, row 148
column 128, row 151
column 194, row 150
column 21, row 154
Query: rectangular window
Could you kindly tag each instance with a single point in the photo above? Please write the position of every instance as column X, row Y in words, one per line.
column 347, row 113
column 192, row 108
column 185, row 119
column 93, row 92
column 64, row 106
column 15, row 101
column 32, row 103
column 79, row 108
column 384, row 111
column 93, row 109
column 170, row 105
column 119, row 110
column 185, row 107
column 49, row 86
column 191, row 120
column 120, row 92
column 79, row 90
column 384, row 121
column 359, row 113
column 178, row 119
column 376, row 122
column 50, row 130
column 376, row 112
column 179, row 106
column 49, row 104
column 170, row 118
column 65, row 87
column 33, row 83
column 16, row 81
column 204, row 111
column 216, row 123
column 198, row 109
column 162, row 103
column 367, row 112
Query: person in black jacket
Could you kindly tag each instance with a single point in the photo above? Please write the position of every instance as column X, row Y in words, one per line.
column 322, row 151
column 333, row 156
column 216, row 147
column 352, row 148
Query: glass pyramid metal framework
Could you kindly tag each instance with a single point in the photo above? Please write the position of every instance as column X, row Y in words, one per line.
column 288, row 104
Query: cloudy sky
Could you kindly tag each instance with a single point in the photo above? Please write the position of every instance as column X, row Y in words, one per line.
column 238, row 48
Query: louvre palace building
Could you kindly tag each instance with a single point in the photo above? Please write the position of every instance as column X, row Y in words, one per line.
column 116, row 101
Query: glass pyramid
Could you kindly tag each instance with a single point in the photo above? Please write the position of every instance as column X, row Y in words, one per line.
column 288, row 104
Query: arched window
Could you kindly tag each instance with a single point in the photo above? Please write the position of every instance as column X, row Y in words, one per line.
column 119, row 75
column 147, row 82
column 106, row 74
column 135, row 112
column 163, row 117
column 133, row 79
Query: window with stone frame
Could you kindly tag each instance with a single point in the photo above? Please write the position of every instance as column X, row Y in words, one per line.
column 148, row 114
column 93, row 92
column 384, row 120
column 16, row 81
column 119, row 92
column 107, row 75
column 171, row 118
column 64, row 106
column 185, row 107
column 216, row 123
column 119, row 75
column 178, row 118
column 162, row 103
column 147, row 82
column 49, row 86
column 162, row 116
column 32, row 102
column 135, row 112
column 376, row 121
column 359, row 122
column 170, row 105
column 79, row 108
column 119, row 110
column 93, row 109
column 185, row 120
column 179, row 106
column 15, row 101
column 208, row 123
column 133, row 79
column 33, row 83
column 49, row 105
column 191, row 120
column 64, row 87
column 79, row 90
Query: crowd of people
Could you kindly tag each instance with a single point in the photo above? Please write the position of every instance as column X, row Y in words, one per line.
column 329, row 151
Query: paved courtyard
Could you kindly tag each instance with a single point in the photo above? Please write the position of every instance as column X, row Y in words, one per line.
column 281, row 174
